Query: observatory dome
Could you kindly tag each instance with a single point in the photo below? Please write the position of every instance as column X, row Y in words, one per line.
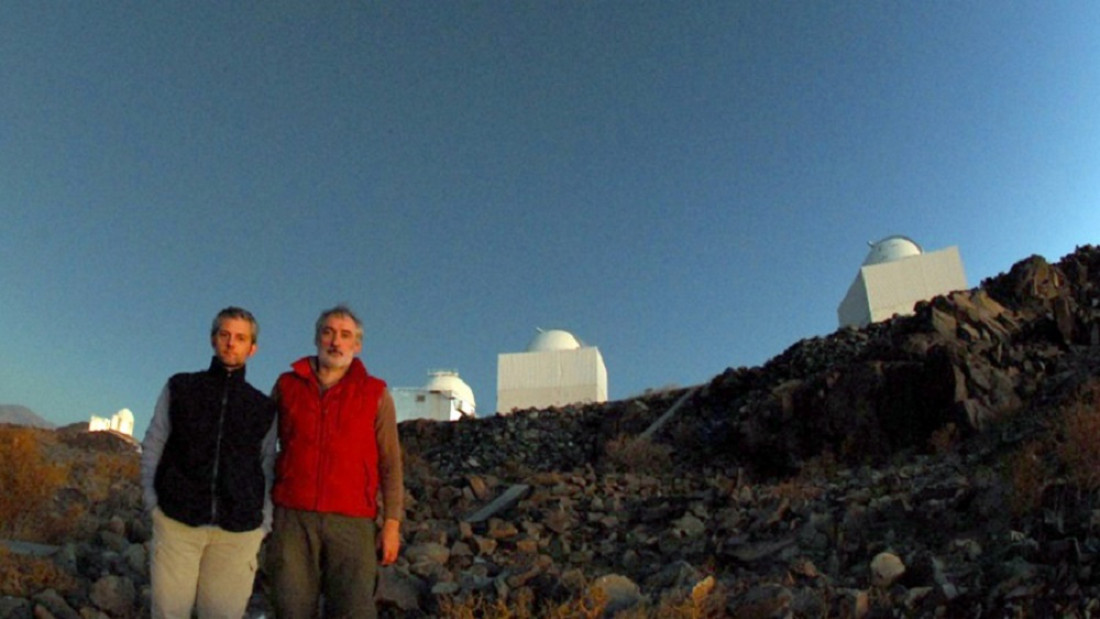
column 553, row 339
column 443, row 380
column 892, row 248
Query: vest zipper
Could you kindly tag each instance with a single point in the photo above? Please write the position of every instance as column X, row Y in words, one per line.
column 218, row 454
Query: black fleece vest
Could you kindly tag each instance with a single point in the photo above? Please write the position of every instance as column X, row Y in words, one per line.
column 211, row 470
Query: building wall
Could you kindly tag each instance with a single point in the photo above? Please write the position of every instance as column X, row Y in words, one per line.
column 423, row 404
column 550, row 378
column 854, row 309
column 99, row 424
column 122, row 422
column 882, row 290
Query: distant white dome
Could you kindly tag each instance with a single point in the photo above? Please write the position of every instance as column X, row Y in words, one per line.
column 553, row 339
column 123, row 421
column 447, row 381
column 892, row 248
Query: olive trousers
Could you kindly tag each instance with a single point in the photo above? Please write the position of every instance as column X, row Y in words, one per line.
column 322, row 561
column 206, row 568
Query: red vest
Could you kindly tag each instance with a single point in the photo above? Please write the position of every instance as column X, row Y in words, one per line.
column 328, row 457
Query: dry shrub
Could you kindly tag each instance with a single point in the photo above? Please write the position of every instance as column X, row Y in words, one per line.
column 107, row 470
column 944, row 439
column 23, row 576
column 1079, row 450
column 70, row 523
column 1068, row 450
column 707, row 600
column 638, row 455
column 1027, row 475
column 796, row 490
column 592, row 605
column 821, row 466
column 27, row 481
column 117, row 466
column 480, row 607
column 521, row 605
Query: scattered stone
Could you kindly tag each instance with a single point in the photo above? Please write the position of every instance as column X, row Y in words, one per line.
column 16, row 608
column 114, row 594
column 764, row 602
column 52, row 604
column 886, row 568
column 429, row 552
column 621, row 592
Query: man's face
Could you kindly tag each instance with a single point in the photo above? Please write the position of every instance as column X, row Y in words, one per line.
column 337, row 344
column 233, row 342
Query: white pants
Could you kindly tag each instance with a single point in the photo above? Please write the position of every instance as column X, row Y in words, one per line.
column 206, row 567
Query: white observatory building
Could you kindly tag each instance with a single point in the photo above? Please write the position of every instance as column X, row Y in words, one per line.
column 556, row 369
column 445, row 397
column 897, row 274
column 121, row 422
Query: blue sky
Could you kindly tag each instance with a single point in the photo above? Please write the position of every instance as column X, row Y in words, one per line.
column 689, row 186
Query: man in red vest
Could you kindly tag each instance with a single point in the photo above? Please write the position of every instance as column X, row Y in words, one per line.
column 338, row 448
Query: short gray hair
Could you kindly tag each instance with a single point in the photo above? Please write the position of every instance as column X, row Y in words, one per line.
column 235, row 312
column 339, row 310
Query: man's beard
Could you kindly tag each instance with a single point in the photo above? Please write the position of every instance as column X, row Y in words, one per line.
column 334, row 361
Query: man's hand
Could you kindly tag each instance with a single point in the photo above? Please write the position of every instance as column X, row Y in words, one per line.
column 390, row 540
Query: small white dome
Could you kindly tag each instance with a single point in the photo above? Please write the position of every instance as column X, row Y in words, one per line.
column 892, row 248
column 553, row 339
column 447, row 381
column 123, row 421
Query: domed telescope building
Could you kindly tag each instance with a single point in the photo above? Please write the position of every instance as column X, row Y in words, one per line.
column 896, row 274
column 556, row 369
column 445, row 397
column 121, row 422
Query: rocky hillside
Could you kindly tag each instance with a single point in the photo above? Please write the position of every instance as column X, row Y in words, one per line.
column 940, row 464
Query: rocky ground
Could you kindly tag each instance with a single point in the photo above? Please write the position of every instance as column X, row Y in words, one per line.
column 920, row 467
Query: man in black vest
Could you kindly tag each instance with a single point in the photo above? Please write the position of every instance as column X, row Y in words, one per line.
column 206, row 466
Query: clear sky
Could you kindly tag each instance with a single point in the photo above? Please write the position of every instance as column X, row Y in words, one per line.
column 689, row 186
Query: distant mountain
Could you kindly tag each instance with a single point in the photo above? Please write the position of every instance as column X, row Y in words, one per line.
column 22, row 416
